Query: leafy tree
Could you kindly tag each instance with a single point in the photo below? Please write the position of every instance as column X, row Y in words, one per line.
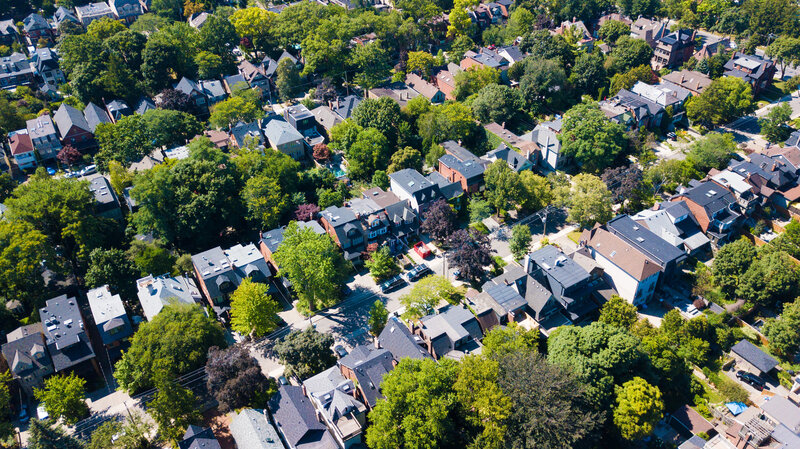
column 173, row 408
column 378, row 315
column 626, row 184
column 69, row 155
column 776, row 16
column 380, row 179
column 470, row 252
column 546, row 46
column 772, row 277
column 175, row 100
column 126, row 141
column 369, row 152
column 418, row 408
column 629, row 53
column 382, row 265
column 7, row 186
column 627, row 79
column 253, row 311
column 504, row 341
column 784, row 50
column 6, row 426
column 639, row 408
column 421, row 62
column 167, row 52
column 520, row 243
column 669, row 173
column 503, row 187
column 313, row 264
column 288, row 79
column 168, row 9
column 132, row 433
column 784, row 333
column 460, row 23
column 373, row 62
column 543, row 80
column 306, row 212
column 726, row 99
column 536, row 191
column 254, row 24
column 487, row 406
column 170, row 128
column 22, row 248
column 612, row 30
column 218, row 36
column 588, row 74
column 478, row 209
column 48, row 435
column 496, row 103
column 714, row 150
column 111, row 267
column 459, row 47
column 264, row 200
column 731, row 262
column 326, row 57
column 451, row 121
column 177, row 339
column 236, row 379
column 774, row 126
column 590, row 201
column 151, row 257
column 439, row 221
column 405, row 158
column 472, row 80
column 321, row 152
column 589, row 137
column 63, row 397
column 208, row 64
column 305, row 352
column 228, row 112
column 344, row 134
column 619, row 312
column 382, row 114
column 426, row 295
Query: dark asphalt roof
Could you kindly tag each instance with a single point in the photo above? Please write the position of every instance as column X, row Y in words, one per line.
column 645, row 240
column 755, row 356
column 369, row 365
column 557, row 265
column 397, row 339
column 296, row 419
column 64, row 332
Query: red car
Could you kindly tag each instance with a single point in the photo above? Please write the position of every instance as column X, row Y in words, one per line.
column 422, row 249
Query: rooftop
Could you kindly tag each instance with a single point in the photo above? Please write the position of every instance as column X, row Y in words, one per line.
column 64, row 332
column 557, row 265
column 252, row 430
column 755, row 356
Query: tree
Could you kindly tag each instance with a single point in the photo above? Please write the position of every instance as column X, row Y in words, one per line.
column 313, row 264
column 288, row 79
column 619, row 312
column 368, row 153
column 426, row 295
column 253, row 311
column 588, row 74
column 629, row 53
column 151, row 257
column 451, row 121
column 177, row 339
column 321, row 152
column 173, row 408
column 626, row 184
column 236, row 380
column 418, row 408
column 670, row 173
column 306, row 212
column 378, row 315
column 503, row 187
column 405, row 158
column 472, row 80
column 63, row 397
column 7, row 186
column 784, row 333
column 590, row 201
column 536, row 191
column 265, row 201
column 589, row 137
column 48, row 435
column 255, row 25
column 470, row 252
column 478, row 209
column 373, row 62
column 22, row 249
column 731, row 262
column 459, row 20
column 131, row 433
column 305, row 352
column 487, row 406
column 125, row 141
column 382, row 114
column 639, row 408
column 520, row 243
column 175, row 100
column 546, row 46
column 545, row 401
column 785, row 51
column 612, row 30
column 503, row 341
column 627, row 79
column 228, row 112
column 714, row 150
column 380, row 179
column 69, row 155
column 209, row 65
column 439, row 221
column 111, row 267
column 6, row 426
column 382, row 265
column 772, row 277
column 774, row 126
column 726, row 99
column 421, row 62
column 497, row 104
column 543, row 80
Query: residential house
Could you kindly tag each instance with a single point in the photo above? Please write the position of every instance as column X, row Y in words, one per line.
column 673, row 222
column 214, row 91
column 366, row 366
column 451, row 191
column 773, row 177
column 118, row 109
column 344, row 106
column 577, row 30
column 73, row 129
column 15, row 70
column 515, row 161
column 197, row 437
column 195, row 92
column 345, row 229
column 571, row 285
column 741, row 188
column 374, row 220
column 545, row 136
column 143, row 105
column 333, row 397
column 326, row 117
column 220, row 272
column 296, row 420
column 511, row 53
column 690, row 423
column 749, row 357
column 755, row 70
column 468, row 173
column 399, row 92
column 8, row 32
column 95, row 115
column 220, row 139
column 452, row 331
column 285, row 138
column 110, row 317
column 106, row 203
column 513, row 296
column 232, row 80
column 198, row 19
column 62, row 15
column 633, row 111
column 126, row 10
column 485, row 58
column 402, row 221
column 65, row 335
column 409, row 185
column 694, row 82
column 304, row 122
column 271, row 240
column 673, row 49
column 155, row 293
column 93, row 11
column 669, row 96
column 629, row 271
column 446, row 82
column 27, row 357
column 666, row 256
column 524, row 147
column 400, row 342
column 22, row 149
column 251, row 429
column 712, row 47
column 425, row 88
column 244, row 133
column 255, row 75
column 714, row 208
column 784, row 412
column 648, row 30
column 612, row 16
column 46, row 67
column 35, row 28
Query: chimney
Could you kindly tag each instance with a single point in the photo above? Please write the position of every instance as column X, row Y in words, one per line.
column 377, row 343
column 683, row 76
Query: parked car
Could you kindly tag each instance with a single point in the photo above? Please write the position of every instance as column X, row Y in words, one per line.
column 750, row 378
column 392, row 284
column 41, row 413
column 72, row 174
column 89, row 170
column 340, row 351
column 418, row 272
column 422, row 249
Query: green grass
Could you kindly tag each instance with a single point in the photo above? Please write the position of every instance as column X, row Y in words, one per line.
column 709, row 393
column 574, row 236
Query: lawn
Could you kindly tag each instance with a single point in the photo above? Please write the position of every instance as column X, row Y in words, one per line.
column 574, row 236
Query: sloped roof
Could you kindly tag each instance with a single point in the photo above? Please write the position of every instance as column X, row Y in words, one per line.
column 95, row 115
column 620, row 253
column 66, row 117
column 398, row 340
column 20, row 144
column 252, row 430
column 370, row 365
column 35, row 22
column 755, row 356
column 297, row 420
column 279, row 133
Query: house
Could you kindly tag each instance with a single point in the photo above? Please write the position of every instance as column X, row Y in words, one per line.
column 106, row 203
column 400, row 342
column 452, row 331
column 409, row 185
column 632, row 273
column 694, row 82
column 511, row 297
column 65, row 335
column 230, row 81
column 451, row 191
column 577, row 28
column 673, row 222
column 63, row 14
column 9, row 33
column 485, row 58
column 143, row 105
column 511, row 53
column 251, row 429
column 526, row 148
column 214, row 91
column 426, row 89
column 648, row 30
column 244, row 133
column 344, row 106
column 46, row 67
column 220, row 272
column 15, row 70
column 220, row 139
column 673, row 49
column 772, row 176
column 666, row 95
column 95, row 115
column 326, row 117
column 255, row 75
column 545, row 136
column 632, row 111
column 285, row 138
column 36, row 27
column 468, row 173
column 155, row 293
column 27, row 357
column 446, row 82
column 197, row 437
column 297, row 422
column 109, row 316
column 345, row 229
column 784, row 412
column 750, row 358
column 714, row 208
column 271, row 240
column 516, row 162
column 73, row 129
column 304, row 122
column 118, row 109
column 126, row 10
column 374, row 219
column 194, row 91
column 366, row 366
column 333, row 397
column 402, row 221
column 399, row 92
column 666, row 256
column 741, row 188
column 712, row 47
column 93, row 11
column 688, row 422
column 22, row 149
column 755, row 70
column 198, row 19
column 571, row 285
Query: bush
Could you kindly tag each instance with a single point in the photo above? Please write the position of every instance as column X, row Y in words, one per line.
column 732, row 391
column 785, row 379
column 480, row 227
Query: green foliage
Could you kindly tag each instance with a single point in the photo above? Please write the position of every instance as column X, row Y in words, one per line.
column 111, row 267
column 151, row 257
column 639, row 408
column 49, row 435
column 589, row 201
column 772, row 277
column 369, row 152
column 7, row 185
column 629, row 53
column 253, row 311
column 126, row 141
column 228, row 112
column 588, row 74
column 714, row 150
column 404, row 158
column 22, row 248
column 373, row 62
column 265, row 201
column 382, row 265
column 520, row 243
column 378, row 315
column 487, row 406
column 590, row 138
column 255, row 24
column 450, row 121
column 496, row 103
column 478, row 209
column 775, row 125
column 547, row 46
column 503, row 341
column 731, row 262
column 619, row 312
column 427, row 294
column 667, row 174
column 472, row 80
column 627, row 79
column 6, row 428
column 536, row 191
column 421, row 62
column 305, row 353
column 503, row 186
column 723, row 101
column 288, row 79
column 131, row 433
column 612, row 30
column 63, row 397
column 177, row 340
column 784, row 333
column 380, row 179
column 173, row 408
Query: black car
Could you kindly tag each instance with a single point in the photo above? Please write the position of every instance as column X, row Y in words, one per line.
column 750, row 378
column 340, row 351
column 418, row 272
column 392, row 284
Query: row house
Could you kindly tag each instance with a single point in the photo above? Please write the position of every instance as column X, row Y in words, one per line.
column 486, row 58
column 649, row 30
column 632, row 110
column 297, row 421
column 526, row 153
column 692, row 81
column 44, row 138
column 667, row 257
column 385, row 218
column 22, row 149
column 409, row 185
column 401, row 342
column 337, row 111
column 87, row 14
column 62, row 15
column 9, row 33
column 755, row 70
column 113, row 324
column 345, row 228
column 715, row 209
column 35, row 28
column 673, row 50
column 673, row 222
column 398, row 91
column 459, row 165
column 26, row 356
column 15, row 70
column 425, row 88
column 157, row 292
column 446, row 80
column 250, row 429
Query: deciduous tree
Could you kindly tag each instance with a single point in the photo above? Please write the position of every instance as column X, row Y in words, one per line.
column 405, row 158
column 731, row 262
column 470, row 252
column 520, row 243
column 496, row 103
column 590, row 201
column 49, row 435
column 253, row 311
column 589, row 137
column 111, row 267
column 173, row 408
column 772, row 277
column 503, row 187
column 619, row 312
column 726, row 99
column 784, row 333
column 236, row 380
column 639, row 408
column 378, row 315
column 382, row 265
column 63, row 397
column 265, row 201
column 306, row 352
column 775, row 125
column 714, row 150
column 439, row 221
column 629, row 53
column 426, row 295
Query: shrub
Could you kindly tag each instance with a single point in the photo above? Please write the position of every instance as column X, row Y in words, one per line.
column 480, row 227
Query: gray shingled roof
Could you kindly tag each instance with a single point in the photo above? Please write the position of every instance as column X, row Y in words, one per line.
column 95, row 115
column 397, row 339
column 754, row 356
column 369, row 365
column 296, row 419
column 66, row 117
column 252, row 430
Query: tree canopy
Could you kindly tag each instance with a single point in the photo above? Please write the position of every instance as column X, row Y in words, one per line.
column 305, row 352
column 589, row 137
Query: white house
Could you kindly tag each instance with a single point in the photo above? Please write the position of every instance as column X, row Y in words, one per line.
column 156, row 292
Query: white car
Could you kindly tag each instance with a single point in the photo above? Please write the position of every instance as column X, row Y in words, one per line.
column 41, row 413
column 89, row 170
